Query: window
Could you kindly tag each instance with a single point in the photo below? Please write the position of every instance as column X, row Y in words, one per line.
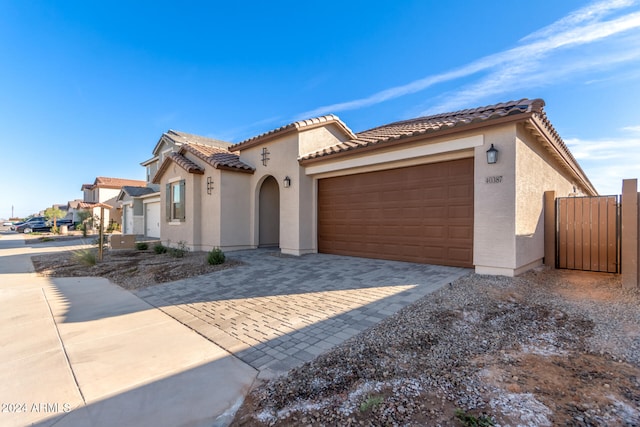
column 175, row 201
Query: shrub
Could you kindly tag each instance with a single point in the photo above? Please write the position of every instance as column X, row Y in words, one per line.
column 180, row 250
column 160, row 249
column 215, row 256
column 55, row 230
column 87, row 257
column 142, row 246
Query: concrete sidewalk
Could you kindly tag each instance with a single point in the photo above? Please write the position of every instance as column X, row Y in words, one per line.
column 84, row 352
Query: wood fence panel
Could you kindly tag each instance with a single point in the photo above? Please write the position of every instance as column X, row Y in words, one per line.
column 588, row 233
column 562, row 231
column 612, row 236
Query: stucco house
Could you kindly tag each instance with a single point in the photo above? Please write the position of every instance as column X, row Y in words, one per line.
column 105, row 190
column 149, row 201
column 427, row 190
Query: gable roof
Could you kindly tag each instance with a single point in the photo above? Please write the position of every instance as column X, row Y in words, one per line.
column 178, row 138
column 106, row 182
column 530, row 111
column 218, row 158
column 294, row 127
column 438, row 123
column 137, row 191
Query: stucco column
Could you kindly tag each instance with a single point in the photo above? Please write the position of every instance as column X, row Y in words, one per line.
column 550, row 229
column 629, row 246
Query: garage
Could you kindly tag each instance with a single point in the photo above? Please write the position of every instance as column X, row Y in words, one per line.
column 419, row 214
column 152, row 219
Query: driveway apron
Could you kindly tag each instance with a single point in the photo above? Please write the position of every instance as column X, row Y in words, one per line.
column 275, row 312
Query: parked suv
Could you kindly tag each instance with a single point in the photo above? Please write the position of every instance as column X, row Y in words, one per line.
column 37, row 223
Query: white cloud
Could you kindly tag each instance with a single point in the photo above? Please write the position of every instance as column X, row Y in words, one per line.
column 635, row 129
column 608, row 161
column 511, row 68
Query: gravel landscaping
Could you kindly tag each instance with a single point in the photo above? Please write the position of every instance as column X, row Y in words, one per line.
column 551, row 347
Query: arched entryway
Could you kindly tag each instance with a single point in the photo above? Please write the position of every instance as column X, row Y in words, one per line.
column 269, row 213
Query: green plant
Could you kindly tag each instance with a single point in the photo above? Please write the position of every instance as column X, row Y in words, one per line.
column 142, row 246
column 470, row 420
column 180, row 250
column 87, row 257
column 55, row 230
column 215, row 256
column 46, row 239
column 160, row 249
column 372, row 402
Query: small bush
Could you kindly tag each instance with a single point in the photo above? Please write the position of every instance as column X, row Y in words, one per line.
column 55, row 230
column 371, row 403
column 215, row 256
column 142, row 246
column 179, row 251
column 470, row 420
column 160, row 249
column 87, row 257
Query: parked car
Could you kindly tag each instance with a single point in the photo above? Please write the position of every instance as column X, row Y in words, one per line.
column 14, row 225
column 37, row 223
column 7, row 224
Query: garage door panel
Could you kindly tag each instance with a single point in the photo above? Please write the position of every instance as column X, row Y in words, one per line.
column 420, row 214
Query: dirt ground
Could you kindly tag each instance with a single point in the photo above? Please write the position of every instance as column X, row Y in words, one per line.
column 131, row 269
column 548, row 348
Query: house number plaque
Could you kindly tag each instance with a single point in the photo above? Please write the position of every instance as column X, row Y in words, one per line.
column 494, row 179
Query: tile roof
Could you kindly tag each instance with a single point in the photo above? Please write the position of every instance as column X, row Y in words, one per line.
column 295, row 126
column 89, row 205
column 218, row 158
column 180, row 138
column 185, row 163
column 432, row 124
column 106, row 182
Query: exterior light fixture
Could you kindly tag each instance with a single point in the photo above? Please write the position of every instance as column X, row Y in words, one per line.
column 287, row 182
column 492, row 155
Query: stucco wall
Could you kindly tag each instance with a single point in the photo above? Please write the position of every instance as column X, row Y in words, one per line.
column 314, row 139
column 235, row 190
column 494, row 203
column 536, row 171
column 173, row 232
column 294, row 235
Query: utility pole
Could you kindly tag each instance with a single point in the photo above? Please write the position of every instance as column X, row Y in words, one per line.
column 12, row 211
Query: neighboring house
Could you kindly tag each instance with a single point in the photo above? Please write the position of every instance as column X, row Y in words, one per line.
column 169, row 142
column 133, row 218
column 419, row 190
column 105, row 191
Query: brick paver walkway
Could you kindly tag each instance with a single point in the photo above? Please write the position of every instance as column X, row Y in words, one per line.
column 276, row 312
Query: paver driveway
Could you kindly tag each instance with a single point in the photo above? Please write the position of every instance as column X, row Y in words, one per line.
column 276, row 312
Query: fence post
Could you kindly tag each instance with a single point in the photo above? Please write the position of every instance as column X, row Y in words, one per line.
column 629, row 234
column 550, row 229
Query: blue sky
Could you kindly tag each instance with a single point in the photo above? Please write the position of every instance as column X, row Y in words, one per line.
column 88, row 88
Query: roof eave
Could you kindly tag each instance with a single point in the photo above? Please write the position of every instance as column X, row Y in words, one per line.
column 538, row 126
column 513, row 118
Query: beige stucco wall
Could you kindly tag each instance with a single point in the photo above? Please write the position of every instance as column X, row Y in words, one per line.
column 494, row 204
column 536, row 171
column 509, row 215
column 297, row 205
column 235, row 226
column 171, row 233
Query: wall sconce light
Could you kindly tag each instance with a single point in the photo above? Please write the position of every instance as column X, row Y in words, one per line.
column 287, row 182
column 492, row 155
column 209, row 185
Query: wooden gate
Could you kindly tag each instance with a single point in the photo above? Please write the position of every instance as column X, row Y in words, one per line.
column 588, row 233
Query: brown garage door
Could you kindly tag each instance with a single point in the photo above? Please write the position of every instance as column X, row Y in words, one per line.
column 419, row 214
